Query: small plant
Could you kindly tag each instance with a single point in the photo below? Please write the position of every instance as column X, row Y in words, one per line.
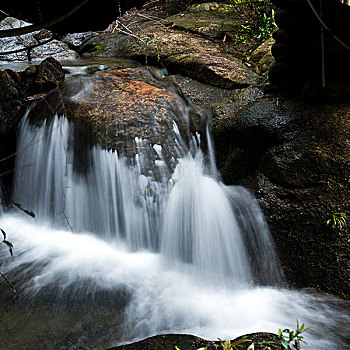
column 287, row 336
column 98, row 48
column 337, row 222
column 228, row 345
column 266, row 26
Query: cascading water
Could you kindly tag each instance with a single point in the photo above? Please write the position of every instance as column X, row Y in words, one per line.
column 189, row 218
column 118, row 254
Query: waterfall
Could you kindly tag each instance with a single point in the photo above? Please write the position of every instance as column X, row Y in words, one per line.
column 125, row 247
column 189, row 217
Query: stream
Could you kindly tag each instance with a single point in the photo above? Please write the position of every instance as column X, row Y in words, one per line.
column 131, row 247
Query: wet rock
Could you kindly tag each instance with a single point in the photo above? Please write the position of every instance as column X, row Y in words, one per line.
column 114, row 108
column 54, row 48
column 191, row 342
column 295, row 156
column 190, row 55
column 10, row 102
column 42, row 78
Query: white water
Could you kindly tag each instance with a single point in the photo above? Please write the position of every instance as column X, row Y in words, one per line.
column 185, row 249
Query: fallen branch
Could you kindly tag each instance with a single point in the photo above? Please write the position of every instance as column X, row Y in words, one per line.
column 32, row 28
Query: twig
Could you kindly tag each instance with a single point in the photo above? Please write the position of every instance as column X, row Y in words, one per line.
column 10, row 284
column 153, row 18
column 131, row 34
column 26, row 48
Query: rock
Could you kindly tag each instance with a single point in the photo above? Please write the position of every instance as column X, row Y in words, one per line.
column 54, row 48
column 77, row 41
column 295, row 156
column 212, row 20
column 189, row 54
column 10, row 103
column 49, row 74
column 191, row 342
column 100, row 107
column 262, row 56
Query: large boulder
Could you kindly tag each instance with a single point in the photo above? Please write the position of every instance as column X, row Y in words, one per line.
column 295, row 156
column 29, row 44
column 117, row 107
column 170, row 43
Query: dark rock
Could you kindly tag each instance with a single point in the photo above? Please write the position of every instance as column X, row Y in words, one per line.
column 190, row 342
column 295, row 155
column 77, row 41
column 39, row 79
column 10, row 102
column 49, row 74
column 94, row 15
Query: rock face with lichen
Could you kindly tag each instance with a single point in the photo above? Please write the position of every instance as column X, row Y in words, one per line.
column 183, row 43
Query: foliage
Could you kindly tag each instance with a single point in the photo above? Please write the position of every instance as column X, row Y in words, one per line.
column 287, row 336
column 337, row 221
column 266, row 26
column 228, row 345
column 98, row 48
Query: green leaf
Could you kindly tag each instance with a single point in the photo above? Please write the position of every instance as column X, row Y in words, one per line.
column 285, row 344
column 306, row 329
column 240, row 341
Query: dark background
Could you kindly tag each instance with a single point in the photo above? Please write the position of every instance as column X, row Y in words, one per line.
column 94, row 15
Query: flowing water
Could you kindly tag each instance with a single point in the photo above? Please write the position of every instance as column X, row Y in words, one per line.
column 117, row 254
